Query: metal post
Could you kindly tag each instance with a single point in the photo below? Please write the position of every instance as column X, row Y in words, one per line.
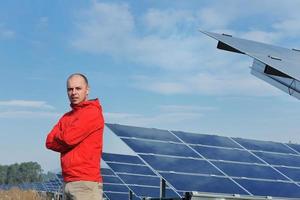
column 162, row 193
column 130, row 195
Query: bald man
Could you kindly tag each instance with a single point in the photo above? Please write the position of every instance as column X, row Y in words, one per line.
column 78, row 137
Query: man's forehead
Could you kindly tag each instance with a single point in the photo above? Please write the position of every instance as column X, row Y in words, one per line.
column 76, row 80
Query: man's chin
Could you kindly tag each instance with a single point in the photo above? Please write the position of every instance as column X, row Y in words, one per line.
column 75, row 102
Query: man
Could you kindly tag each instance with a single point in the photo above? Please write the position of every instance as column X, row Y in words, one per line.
column 78, row 136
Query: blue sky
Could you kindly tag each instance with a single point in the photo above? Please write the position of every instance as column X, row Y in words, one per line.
column 148, row 64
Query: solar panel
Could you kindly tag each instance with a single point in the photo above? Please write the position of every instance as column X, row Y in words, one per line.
column 113, row 187
column 264, row 145
column 209, row 140
column 217, row 164
column 276, row 65
column 141, row 180
column 237, row 155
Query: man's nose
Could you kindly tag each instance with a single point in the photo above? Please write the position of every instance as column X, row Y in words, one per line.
column 74, row 91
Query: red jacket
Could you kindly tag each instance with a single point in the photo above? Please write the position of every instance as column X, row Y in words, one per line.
column 78, row 136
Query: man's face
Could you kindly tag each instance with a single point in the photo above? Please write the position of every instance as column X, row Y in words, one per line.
column 77, row 90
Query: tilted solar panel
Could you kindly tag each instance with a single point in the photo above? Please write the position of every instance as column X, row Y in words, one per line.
column 276, row 65
column 217, row 165
column 113, row 187
column 137, row 176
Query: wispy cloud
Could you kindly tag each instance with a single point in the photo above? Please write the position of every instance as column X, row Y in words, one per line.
column 6, row 33
column 26, row 103
column 168, row 39
column 28, row 114
column 27, row 109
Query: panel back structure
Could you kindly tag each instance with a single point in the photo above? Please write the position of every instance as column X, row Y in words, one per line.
column 276, row 65
column 216, row 164
column 136, row 175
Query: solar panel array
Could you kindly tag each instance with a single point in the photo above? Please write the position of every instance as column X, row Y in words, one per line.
column 137, row 176
column 217, row 164
column 113, row 187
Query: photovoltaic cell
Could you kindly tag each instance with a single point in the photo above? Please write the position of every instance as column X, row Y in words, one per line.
column 263, row 145
column 249, row 171
column 143, row 133
column 270, row 188
column 136, row 175
column 293, row 173
column 112, row 179
column 295, row 147
column 113, row 187
column 145, row 191
column 280, row 159
column 237, row 155
column 120, row 158
column 211, row 140
column 186, row 165
column 125, row 168
column 183, row 182
column 163, row 148
column 140, row 180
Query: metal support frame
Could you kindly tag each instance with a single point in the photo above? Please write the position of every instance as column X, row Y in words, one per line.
column 162, row 191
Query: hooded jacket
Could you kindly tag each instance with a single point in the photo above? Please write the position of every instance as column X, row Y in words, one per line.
column 78, row 136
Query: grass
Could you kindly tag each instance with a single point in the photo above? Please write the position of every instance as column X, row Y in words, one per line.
column 17, row 194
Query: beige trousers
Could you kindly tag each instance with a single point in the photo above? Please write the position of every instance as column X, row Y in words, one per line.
column 83, row 190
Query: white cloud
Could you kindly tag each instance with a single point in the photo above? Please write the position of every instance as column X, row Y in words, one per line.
column 105, row 28
column 209, row 84
column 28, row 114
column 168, row 39
column 26, row 103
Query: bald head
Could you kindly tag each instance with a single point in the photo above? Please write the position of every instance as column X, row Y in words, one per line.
column 81, row 75
column 77, row 88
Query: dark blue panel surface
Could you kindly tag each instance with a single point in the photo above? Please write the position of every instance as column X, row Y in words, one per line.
column 111, row 179
column 186, row 165
column 106, row 171
column 121, row 158
column 249, row 171
column 119, row 196
column 115, row 188
column 263, row 145
column 280, row 159
column 211, row 140
column 267, row 188
column 295, row 147
column 140, row 180
column 133, row 169
column 292, row 173
column 142, row 146
column 139, row 132
column 202, row 183
column 226, row 154
column 151, row 192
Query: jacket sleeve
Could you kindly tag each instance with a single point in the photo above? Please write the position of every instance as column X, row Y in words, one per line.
column 53, row 144
column 82, row 126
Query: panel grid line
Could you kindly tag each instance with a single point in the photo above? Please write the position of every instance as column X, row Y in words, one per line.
column 155, row 172
column 212, row 164
column 298, row 185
